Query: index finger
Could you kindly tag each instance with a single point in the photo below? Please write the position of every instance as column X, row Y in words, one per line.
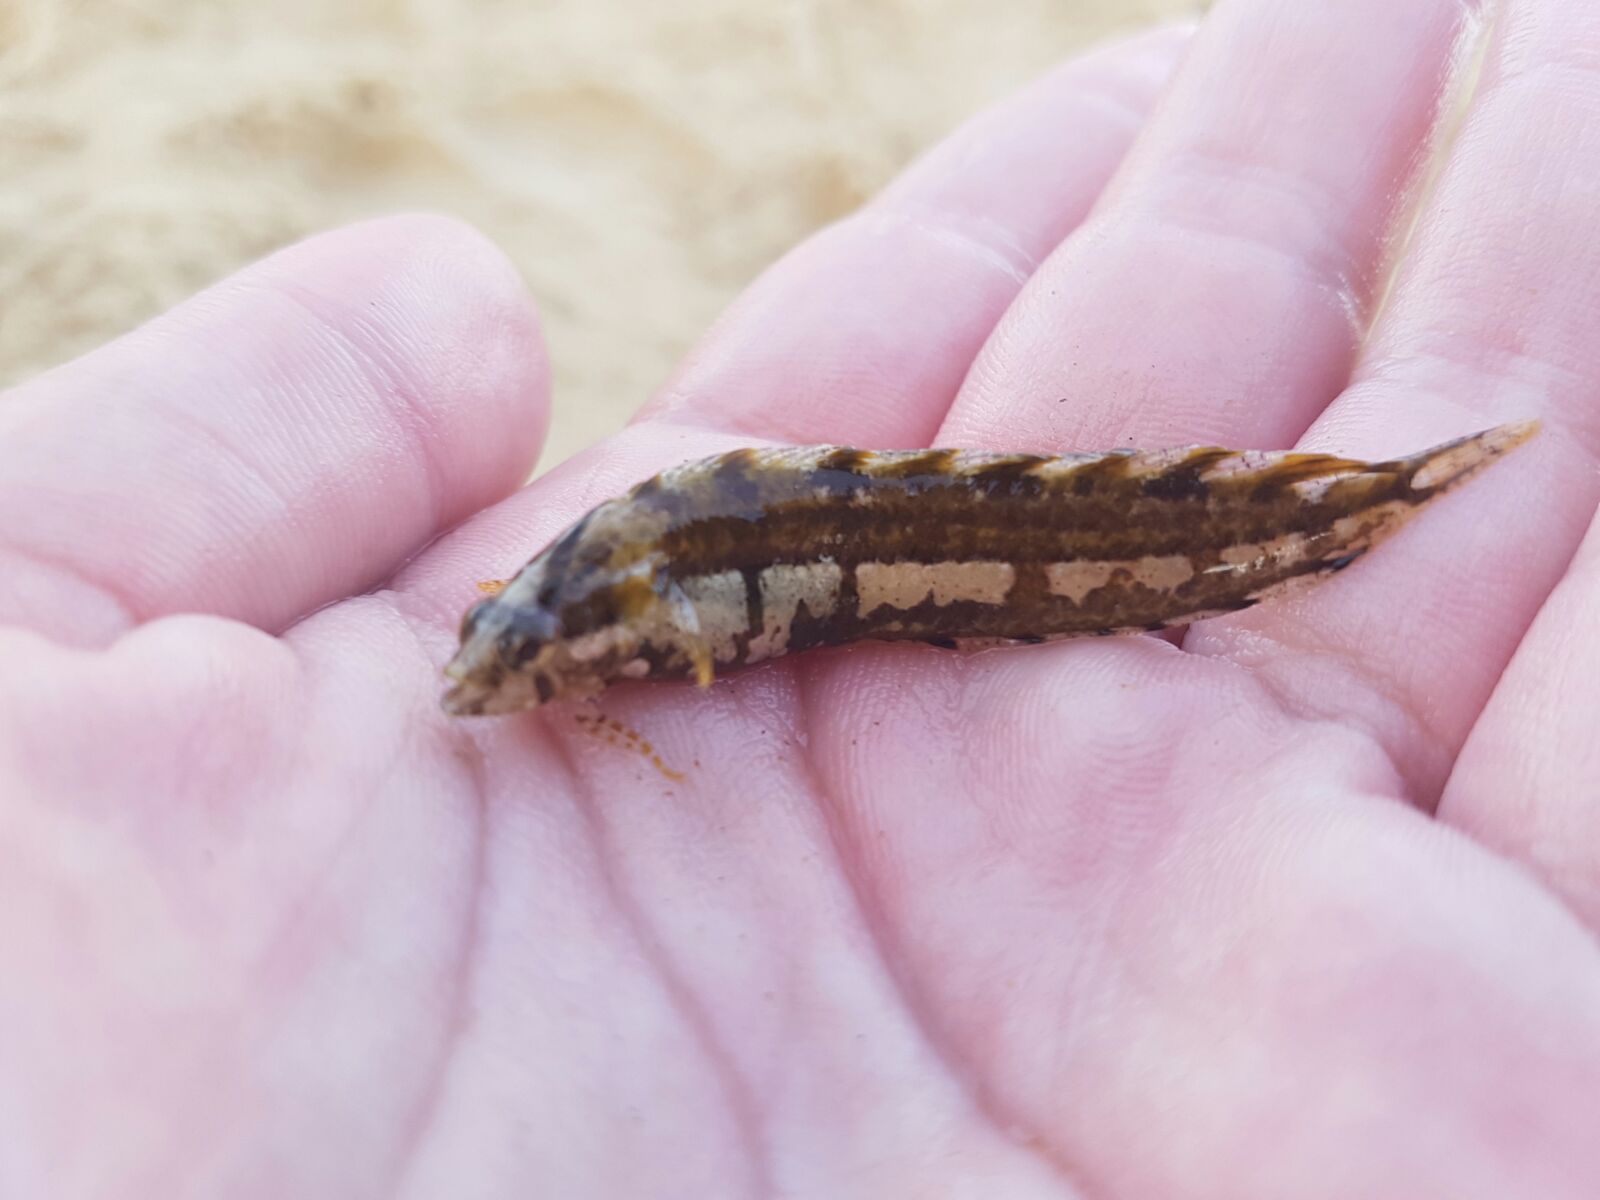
column 281, row 441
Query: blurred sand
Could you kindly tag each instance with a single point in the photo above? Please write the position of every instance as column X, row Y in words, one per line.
column 639, row 161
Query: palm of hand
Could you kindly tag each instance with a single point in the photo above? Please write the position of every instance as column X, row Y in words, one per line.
column 1094, row 918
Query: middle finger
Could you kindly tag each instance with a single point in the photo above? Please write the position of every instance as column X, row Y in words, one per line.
column 1219, row 291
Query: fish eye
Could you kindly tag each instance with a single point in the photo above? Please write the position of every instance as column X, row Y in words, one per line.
column 521, row 632
column 535, row 624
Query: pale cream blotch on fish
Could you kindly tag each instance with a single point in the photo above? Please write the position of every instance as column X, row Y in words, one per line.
column 1286, row 551
column 1075, row 580
column 785, row 589
column 757, row 553
column 722, row 609
column 903, row 585
column 1162, row 573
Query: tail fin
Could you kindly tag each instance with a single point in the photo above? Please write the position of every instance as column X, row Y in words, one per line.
column 1436, row 471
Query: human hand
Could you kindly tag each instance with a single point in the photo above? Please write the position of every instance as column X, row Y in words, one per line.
column 1303, row 908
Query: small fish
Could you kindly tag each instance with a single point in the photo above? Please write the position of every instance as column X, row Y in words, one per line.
column 757, row 553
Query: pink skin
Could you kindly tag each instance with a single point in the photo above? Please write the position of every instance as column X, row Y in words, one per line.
column 1303, row 908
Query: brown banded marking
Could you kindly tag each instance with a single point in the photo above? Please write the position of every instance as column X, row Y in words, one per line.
column 758, row 553
column 931, row 464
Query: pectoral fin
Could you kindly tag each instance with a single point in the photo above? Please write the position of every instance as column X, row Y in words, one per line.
column 693, row 644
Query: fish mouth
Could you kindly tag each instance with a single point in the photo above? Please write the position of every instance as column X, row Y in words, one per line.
column 469, row 695
column 472, row 699
column 476, row 692
column 463, row 701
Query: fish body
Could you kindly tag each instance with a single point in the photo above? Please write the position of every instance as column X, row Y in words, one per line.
column 758, row 553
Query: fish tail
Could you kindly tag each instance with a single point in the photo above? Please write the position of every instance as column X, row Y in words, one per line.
column 1434, row 472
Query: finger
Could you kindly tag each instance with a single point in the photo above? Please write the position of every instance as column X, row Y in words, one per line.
column 863, row 334
column 284, row 439
column 1492, row 318
column 1526, row 780
column 1217, row 294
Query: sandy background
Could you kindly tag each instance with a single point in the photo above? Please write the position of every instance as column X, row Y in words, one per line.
column 639, row 161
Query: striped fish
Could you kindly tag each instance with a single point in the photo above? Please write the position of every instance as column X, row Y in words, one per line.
column 758, row 553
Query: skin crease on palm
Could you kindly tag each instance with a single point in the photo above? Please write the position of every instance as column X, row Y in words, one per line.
column 1302, row 907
